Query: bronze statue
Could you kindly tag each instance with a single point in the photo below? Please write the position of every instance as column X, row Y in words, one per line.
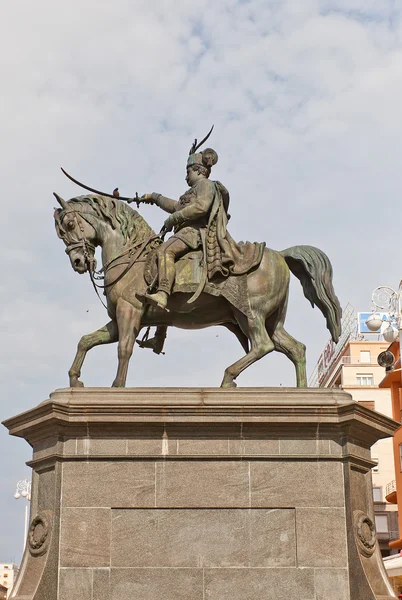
column 199, row 219
column 198, row 278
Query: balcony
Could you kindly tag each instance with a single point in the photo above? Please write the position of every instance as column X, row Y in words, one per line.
column 387, row 536
column 390, row 492
column 355, row 360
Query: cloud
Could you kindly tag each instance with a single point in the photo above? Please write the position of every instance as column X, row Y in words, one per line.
column 305, row 98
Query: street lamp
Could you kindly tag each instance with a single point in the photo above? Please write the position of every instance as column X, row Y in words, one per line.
column 23, row 490
column 386, row 298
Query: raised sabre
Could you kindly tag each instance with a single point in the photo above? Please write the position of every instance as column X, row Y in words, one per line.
column 86, row 187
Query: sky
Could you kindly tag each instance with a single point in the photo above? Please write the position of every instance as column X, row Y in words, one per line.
column 305, row 98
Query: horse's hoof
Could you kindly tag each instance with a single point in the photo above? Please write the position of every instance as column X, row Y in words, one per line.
column 76, row 383
column 229, row 384
column 116, row 384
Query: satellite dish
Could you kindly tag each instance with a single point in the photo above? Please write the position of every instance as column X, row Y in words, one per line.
column 386, row 359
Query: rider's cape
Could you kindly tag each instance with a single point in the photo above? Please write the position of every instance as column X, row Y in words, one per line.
column 225, row 256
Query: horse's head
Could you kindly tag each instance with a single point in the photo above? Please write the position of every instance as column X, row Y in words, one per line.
column 89, row 221
column 76, row 227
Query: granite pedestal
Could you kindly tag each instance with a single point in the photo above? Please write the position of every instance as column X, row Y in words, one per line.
column 201, row 494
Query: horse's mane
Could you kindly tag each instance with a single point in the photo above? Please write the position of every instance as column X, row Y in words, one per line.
column 113, row 211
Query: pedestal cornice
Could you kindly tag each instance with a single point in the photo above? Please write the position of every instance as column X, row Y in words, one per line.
column 87, row 411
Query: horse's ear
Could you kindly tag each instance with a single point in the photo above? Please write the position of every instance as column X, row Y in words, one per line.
column 60, row 200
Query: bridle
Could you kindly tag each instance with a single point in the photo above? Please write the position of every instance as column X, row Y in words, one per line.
column 82, row 242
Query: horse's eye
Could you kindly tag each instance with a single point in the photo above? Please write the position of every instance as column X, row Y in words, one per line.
column 70, row 225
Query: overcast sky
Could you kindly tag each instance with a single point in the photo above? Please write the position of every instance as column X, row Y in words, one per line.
column 306, row 99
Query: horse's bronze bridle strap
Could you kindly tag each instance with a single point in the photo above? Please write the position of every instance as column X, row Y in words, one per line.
column 82, row 241
column 81, row 244
column 130, row 263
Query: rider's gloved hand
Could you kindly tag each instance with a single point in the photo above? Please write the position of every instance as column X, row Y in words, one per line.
column 169, row 223
column 174, row 219
column 150, row 198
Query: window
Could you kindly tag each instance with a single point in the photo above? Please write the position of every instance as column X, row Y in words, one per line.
column 377, row 494
column 375, row 469
column 365, row 356
column 367, row 404
column 400, row 456
column 365, row 379
column 381, row 523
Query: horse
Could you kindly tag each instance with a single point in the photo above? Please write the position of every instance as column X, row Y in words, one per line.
column 88, row 221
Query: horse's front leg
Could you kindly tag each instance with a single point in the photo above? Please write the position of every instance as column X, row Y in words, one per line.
column 129, row 323
column 106, row 335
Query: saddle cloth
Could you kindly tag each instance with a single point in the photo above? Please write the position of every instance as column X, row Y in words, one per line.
column 189, row 271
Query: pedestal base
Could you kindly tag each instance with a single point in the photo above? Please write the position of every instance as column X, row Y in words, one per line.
column 201, row 494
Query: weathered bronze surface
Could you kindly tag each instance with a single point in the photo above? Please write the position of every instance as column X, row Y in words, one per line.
column 198, row 278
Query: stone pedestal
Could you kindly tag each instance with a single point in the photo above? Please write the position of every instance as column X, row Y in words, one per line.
column 201, row 494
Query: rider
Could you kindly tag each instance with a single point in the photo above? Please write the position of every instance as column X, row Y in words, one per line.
column 199, row 219
column 189, row 217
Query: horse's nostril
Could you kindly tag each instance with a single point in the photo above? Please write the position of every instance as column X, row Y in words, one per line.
column 77, row 262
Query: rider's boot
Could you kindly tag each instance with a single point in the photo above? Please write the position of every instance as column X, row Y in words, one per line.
column 159, row 298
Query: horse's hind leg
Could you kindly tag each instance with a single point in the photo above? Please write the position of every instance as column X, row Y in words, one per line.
column 106, row 335
column 261, row 344
column 294, row 350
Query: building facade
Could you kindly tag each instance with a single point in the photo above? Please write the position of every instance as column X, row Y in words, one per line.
column 352, row 365
column 8, row 574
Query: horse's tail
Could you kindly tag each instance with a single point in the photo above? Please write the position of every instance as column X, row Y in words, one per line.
column 314, row 271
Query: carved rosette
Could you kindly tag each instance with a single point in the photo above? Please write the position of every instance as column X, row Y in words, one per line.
column 365, row 533
column 39, row 534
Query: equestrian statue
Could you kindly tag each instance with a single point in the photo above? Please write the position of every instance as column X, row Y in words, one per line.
column 199, row 277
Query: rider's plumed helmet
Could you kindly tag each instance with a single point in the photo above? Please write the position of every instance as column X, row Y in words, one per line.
column 207, row 158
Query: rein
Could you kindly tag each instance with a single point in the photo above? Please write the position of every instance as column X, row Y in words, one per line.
column 130, row 263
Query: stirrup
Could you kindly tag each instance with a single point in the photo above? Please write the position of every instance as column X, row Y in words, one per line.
column 154, row 344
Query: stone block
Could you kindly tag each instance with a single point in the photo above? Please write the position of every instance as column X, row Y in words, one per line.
column 254, row 446
column 45, row 448
column 202, row 484
column 109, row 483
column 157, row 584
column 85, row 537
column 101, row 584
column 296, row 483
column 298, row 447
column 259, row 584
column 146, row 446
column 332, row 584
column 70, row 445
column 207, row 446
column 201, row 538
column 46, row 490
column 101, row 447
column 75, row 584
column 321, row 537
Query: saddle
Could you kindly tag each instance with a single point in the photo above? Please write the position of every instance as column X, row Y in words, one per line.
column 189, row 271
